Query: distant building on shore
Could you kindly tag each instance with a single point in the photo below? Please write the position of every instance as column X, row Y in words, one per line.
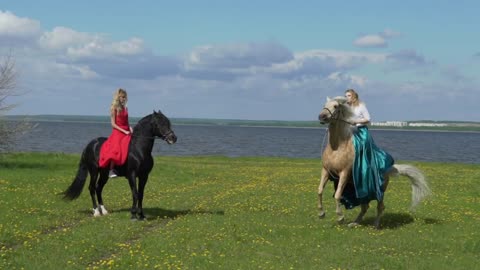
column 427, row 124
column 390, row 124
column 406, row 124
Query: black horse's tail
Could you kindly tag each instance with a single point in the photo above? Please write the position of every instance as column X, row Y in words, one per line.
column 75, row 189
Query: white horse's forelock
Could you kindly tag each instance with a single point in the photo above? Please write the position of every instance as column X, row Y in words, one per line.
column 340, row 99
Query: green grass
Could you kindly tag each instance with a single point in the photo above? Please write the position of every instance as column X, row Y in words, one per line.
column 230, row 213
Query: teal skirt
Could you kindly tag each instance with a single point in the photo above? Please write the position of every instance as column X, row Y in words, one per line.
column 369, row 166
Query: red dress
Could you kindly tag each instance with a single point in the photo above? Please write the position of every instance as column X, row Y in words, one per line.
column 115, row 147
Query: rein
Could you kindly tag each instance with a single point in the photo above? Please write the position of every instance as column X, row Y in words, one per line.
column 164, row 136
column 335, row 117
column 146, row 137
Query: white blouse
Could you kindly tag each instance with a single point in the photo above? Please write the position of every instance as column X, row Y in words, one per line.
column 360, row 112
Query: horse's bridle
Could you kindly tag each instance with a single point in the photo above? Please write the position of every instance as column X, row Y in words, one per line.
column 335, row 115
column 166, row 135
column 163, row 137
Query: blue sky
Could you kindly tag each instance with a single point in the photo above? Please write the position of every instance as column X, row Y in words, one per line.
column 409, row 60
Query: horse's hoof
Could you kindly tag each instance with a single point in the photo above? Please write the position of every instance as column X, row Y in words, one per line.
column 341, row 220
column 321, row 215
column 96, row 213
column 103, row 210
column 353, row 225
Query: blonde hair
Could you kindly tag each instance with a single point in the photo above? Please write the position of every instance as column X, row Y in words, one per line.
column 355, row 99
column 116, row 105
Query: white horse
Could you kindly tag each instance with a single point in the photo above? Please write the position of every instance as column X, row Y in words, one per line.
column 338, row 159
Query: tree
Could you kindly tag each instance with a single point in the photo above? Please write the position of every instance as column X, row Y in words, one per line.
column 9, row 131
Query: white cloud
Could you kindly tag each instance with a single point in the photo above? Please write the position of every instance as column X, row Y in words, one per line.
column 376, row 40
column 61, row 38
column 344, row 59
column 407, row 60
column 370, row 41
column 16, row 26
column 389, row 33
column 240, row 55
column 79, row 45
column 350, row 81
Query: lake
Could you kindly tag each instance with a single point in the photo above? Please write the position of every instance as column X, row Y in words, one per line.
column 237, row 141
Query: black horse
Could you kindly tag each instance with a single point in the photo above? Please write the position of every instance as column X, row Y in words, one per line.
column 139, row 164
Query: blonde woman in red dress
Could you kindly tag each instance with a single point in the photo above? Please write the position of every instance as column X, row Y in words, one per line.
column 114, row 151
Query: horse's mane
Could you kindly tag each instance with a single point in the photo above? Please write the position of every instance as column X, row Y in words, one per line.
column 146, row 120
column 142, row 122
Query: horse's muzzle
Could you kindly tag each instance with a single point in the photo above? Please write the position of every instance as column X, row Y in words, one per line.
column 323, row 118
column 171, row 139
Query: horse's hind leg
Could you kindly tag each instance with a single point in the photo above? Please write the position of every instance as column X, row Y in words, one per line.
column 142, row 181
column 380, row 210
column 381, row 204
column 91, row 188
column 132, row 181
column 360, row 216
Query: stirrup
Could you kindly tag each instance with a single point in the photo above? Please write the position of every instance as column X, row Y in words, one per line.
column 112, row 174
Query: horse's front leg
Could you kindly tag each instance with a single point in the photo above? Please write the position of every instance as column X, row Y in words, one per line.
column 91, row 188
column 102, row 181
column 338, row 194
column 142, row 181
column 132, row 181
column 321, row 187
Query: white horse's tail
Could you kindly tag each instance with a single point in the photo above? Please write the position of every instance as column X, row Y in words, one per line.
column 420, row 188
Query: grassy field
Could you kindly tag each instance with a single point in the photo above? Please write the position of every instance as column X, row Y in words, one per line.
column 231, row 213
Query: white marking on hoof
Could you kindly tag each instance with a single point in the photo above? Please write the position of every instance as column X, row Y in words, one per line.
column 96, row 212
column 353, row 225
column 321, row 215
column 103, row 210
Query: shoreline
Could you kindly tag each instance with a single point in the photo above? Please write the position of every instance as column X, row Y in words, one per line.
column 231, row 123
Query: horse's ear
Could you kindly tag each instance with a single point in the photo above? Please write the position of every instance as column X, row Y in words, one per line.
column 328, row 99
column 154, row 112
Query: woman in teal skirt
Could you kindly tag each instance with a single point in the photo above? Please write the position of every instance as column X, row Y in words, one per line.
column 371, row 162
